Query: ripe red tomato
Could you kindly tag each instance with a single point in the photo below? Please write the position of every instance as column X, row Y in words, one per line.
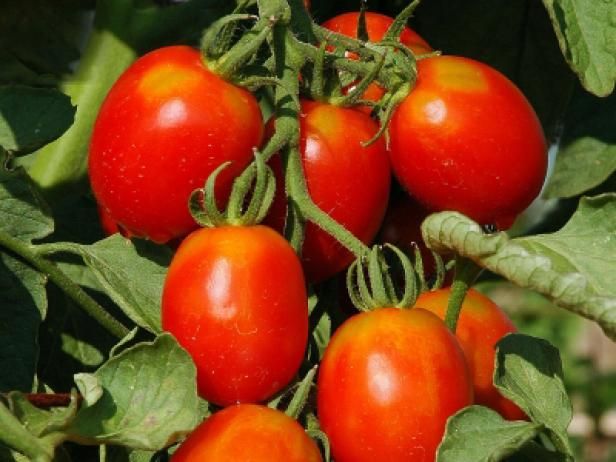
column 346, row 180
column 481, row 324
column 235, row 299
column 248, row 432
column 376, row 26
column 388, row 381
column 467, row 139
column 166, row 124
column 109, row 226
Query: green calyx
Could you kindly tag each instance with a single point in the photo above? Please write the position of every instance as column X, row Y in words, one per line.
column 372, row 284
column 251, row 196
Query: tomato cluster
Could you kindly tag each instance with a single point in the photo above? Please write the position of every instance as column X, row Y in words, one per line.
column 235, row 297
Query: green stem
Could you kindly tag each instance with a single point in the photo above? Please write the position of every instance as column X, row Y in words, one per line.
column 75, row 292
column 289, row 60
column 466, row 273
column 62, row 165
column 15, row 436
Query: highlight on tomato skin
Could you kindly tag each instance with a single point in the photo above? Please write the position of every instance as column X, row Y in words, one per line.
column 466, row 139
column 481, row 325
column 158, row 136
column 248, row 432
column 235, row 298
column 388, row 381
column 347, row 181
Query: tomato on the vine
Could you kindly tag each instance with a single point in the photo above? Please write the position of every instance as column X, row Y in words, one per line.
column 376, row 26
column 165, row 125
column 235, row 298
column 388, row 381
column 466, row 139
column 248, row 432
column 348, row 181
column 480, row 326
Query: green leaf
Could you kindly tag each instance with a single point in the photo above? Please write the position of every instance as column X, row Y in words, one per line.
column 70, row 342
column 586, row 31
column 132, row 273
column 44, row 36
column 23, row 213
column 149, row 398
column 32, row 117
column 587, row 156
column 529, row 372
column 124, row 454
column 573, row 266
column 41, row 422
column 23, row 303
column 15, row 435
column 584, row 164
column 90, row 388
column 480, row 434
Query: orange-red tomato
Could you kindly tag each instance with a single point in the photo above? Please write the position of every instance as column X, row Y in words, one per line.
column 235, row 299
column 376, row 26
column 480, row 326
column 388, row 381
column 346, row 180
column 248, row 433
column 166, row 124
column 466, row 139
column 109, row 226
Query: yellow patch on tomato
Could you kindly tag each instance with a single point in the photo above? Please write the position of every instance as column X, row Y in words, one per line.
column 457, row 75
column 165, row 81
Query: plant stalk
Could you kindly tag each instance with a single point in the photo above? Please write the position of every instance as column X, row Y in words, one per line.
column 465, row 275
column 29, row 253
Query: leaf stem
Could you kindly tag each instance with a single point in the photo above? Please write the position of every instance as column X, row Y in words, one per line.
column 14, row 435
column 466, row 273
column 30, row 254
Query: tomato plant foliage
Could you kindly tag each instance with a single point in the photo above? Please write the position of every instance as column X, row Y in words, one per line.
column 86, row 370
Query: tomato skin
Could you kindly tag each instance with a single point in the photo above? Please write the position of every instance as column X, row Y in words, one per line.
column 224, row 302
column 480, row 326
column 165, row 125
column 248, row 432
column 388, row 381
column 347, row 181
column 466, row 139
column 376, row 26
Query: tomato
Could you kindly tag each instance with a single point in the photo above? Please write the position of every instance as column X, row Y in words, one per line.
column 248, row 432
column 376, row 26
column 235, row 299
column 346, row 180
column 165, row 125
column 108, row 226
column 480, row 326
column 466, row 139
column 388, row 381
